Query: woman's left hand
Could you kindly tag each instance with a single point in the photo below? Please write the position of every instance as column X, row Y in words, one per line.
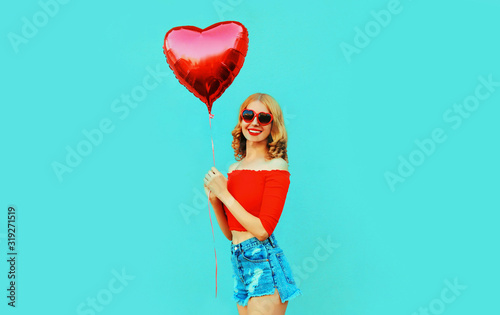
column 216, row 182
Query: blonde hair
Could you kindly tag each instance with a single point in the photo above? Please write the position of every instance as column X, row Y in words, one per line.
column 277, row 140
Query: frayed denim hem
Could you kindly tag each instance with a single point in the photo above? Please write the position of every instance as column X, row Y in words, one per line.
column 239, row 301
column 245, row 302
column 296, row 294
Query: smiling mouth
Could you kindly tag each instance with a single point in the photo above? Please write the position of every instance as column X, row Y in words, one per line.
column 254, row 132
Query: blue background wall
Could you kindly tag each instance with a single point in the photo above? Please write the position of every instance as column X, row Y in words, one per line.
column 390, row 169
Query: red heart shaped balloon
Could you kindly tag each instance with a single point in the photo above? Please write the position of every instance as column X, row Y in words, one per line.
column 206, row 61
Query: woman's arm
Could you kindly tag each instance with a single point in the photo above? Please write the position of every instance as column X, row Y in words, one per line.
column 221, row 217
column 251, row 223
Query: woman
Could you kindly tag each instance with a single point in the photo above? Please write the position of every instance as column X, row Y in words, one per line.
column 249, row 203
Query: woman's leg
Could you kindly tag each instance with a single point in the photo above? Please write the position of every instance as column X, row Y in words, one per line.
column 242, row 310
column 267, row 305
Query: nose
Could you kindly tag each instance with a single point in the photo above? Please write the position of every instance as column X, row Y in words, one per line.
column 255, row 121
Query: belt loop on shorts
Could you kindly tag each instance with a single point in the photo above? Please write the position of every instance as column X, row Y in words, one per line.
column 271, row 240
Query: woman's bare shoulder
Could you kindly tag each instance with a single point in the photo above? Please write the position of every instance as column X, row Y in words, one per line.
column 278, row 163
column 233, row 166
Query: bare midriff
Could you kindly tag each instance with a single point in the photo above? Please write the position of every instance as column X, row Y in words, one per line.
column 241, row 236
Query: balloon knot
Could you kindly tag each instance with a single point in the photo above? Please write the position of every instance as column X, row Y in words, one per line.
column 211, row 115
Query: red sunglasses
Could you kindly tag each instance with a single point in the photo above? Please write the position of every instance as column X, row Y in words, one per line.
column 263, row 118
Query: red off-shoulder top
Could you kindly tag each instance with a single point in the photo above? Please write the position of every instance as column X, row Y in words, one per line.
column 261, row 193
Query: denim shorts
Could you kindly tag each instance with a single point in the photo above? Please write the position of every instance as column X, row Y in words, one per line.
column 260, row 267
